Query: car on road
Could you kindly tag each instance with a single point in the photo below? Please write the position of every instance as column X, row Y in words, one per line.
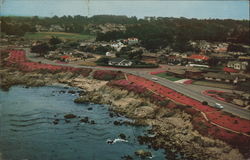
column 218, row 105
column 154, row 79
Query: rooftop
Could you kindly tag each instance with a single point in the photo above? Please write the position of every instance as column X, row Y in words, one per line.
column 198, row 56
column 231, row 70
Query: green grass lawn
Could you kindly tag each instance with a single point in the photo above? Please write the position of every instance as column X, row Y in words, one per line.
column 169, row 77
column 62, row 35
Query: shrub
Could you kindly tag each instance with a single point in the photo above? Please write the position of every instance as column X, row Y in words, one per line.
column 164, row 103
column 191, row 111
column 108, row 75
column 204, row 103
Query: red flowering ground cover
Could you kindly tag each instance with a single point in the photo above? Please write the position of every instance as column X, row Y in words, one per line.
column 124, row 84
column 108, row 75
column 214, row 94
column 142, row 87
column 60, row 62
column 172, row 105
column 215, row 116
column 133, row 87
column 188, row 81
column 232, row 122
column 237, row 140
column 18, row 59
column 169, row 93
column 157, row 72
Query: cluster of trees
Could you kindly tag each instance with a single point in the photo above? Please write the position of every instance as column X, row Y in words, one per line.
column 177, row 33
column 237, row 48
column 154, row 33
column 13, row 28
column 129, row 53
column 98, row 49
column 73, row 24
column 43, row 47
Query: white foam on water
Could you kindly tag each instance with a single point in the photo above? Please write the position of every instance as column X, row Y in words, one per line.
column 110, row 141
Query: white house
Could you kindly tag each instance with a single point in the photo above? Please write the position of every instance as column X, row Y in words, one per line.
column 117, row 46
column 237, row 65
column 132, row 41
column 119, row 62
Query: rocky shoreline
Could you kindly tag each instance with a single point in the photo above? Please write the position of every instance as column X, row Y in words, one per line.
column 171, row 130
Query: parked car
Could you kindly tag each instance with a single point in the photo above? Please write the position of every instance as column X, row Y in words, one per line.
column 218, row 105
column 154, row 79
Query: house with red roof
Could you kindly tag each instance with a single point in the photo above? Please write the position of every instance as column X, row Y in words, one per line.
column 230, row 70
column 66, row 58
column 198, row 58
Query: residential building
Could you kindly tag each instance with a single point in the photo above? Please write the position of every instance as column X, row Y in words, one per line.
column 177, row 73
column 197, row 65
column 237, row 65
column 133, row 41
column 56, row 28
column 244, row 58
column 67, row 58
column 198, row 58
column 230, row 70
column 222, row 77
column 120, row 62
column 118, row 46
column 193, row 73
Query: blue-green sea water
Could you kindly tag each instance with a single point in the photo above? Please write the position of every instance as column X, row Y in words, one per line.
column 27, row 131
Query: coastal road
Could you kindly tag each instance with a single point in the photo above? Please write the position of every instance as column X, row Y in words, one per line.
column 184, row 89
column 181, row 88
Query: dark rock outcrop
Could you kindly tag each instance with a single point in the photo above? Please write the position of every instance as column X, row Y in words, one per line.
column 143, row 154
column 71, row 92
column 69, row 116
column 81, row 100
column 85, row 120
column 122, row 136
column 56, row 121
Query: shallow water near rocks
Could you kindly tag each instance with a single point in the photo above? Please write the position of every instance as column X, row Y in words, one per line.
column 28, row 132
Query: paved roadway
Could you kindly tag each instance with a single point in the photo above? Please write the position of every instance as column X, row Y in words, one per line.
column 182, row 88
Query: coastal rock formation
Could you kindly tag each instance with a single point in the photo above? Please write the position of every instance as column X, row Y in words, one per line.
column 145, row 112
column 172, row 129
column 11, row 77
column 86, row 83
column 122, row 136
column 143, row 154
column 69, row 116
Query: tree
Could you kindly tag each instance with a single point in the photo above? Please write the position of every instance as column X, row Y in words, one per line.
column 124, row 52
column 213, row 61
column 110, row 36
column 102, row 49
column 136, row 55
column 103, row 60
column 55, row 40
column 41, row 49
column 236, row 48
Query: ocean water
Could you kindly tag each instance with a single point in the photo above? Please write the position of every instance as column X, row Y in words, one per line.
column 27, row 131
